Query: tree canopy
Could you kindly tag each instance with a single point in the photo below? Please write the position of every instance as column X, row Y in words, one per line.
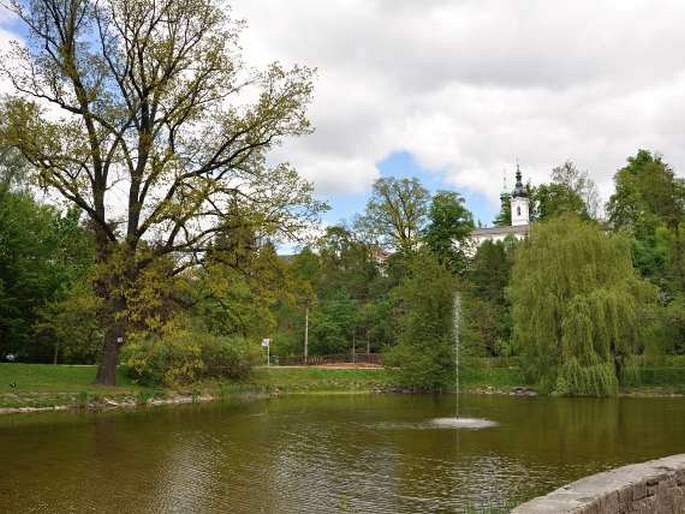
column 449, row 230
column 395, row 214
column 577, row 307
column 134, row 111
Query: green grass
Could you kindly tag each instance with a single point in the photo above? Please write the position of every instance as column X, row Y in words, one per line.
column 303, row 380
column 47, row 377
column 475, row 376
column 47, row 385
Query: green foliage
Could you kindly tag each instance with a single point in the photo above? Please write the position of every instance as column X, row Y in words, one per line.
column 648, row 206
column 571, row 191
column 578, row 307
column 228, row 357
column 346, row 263
column 170, row 361
column 164, row 116
column 184, row 357
column 487, row 313
column 647, row 194
column 649, row 203
column 449, row 230
column 346, row 291
column 333, row 324
column 44, row 258
column 424, row 354
column 237, row 294
column 395, row 214
column 557, row 199
column 70, row 325
column 503, row 218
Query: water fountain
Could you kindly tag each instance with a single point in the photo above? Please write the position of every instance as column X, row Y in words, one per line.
column 456, row 421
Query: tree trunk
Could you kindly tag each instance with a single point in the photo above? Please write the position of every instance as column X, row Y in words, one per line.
column 114, row 338
column 113, row 305
column 107, row 370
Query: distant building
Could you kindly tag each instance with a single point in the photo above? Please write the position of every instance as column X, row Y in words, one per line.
column 519, row 202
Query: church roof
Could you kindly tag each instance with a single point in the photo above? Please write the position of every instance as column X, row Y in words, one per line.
column 497, row 231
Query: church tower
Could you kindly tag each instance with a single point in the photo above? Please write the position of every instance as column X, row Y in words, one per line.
column 520, row 203
column 504, row 196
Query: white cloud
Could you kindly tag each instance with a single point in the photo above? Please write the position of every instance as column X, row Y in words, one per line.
column 468, row 86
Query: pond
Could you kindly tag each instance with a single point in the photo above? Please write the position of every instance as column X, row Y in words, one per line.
column 323, row 454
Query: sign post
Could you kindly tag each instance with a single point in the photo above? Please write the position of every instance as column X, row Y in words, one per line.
column 306, row 334
column 266, row 343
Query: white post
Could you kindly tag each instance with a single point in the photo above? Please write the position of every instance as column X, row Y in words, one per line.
column 267, row 343
column 306, row 334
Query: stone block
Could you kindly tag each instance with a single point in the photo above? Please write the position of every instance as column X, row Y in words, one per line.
column 654, row 487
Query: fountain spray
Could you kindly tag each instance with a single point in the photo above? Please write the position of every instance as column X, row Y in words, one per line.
column 457, row 313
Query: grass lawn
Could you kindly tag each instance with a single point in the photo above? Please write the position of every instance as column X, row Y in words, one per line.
column 45, row 385
column 48, row 377
column 311, row 379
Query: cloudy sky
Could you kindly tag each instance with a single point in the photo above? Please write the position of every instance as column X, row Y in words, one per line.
column 454, row 91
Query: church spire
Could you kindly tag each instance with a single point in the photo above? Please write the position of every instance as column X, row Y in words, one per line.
column 505, row 190
column 520, row 203
column 519, row 190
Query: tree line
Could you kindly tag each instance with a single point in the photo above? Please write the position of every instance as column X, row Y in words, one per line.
column 158, row 247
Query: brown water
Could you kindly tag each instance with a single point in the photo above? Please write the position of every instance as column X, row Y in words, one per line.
column 324, row 454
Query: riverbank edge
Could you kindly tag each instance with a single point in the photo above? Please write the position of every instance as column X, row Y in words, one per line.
column 129, row 402
column 28, row 388
column 114, row 402
column 656, row 486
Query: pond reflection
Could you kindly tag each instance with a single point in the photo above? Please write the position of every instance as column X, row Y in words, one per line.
column 325, row 454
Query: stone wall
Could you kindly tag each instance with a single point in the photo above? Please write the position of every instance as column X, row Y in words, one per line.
column 654, row 487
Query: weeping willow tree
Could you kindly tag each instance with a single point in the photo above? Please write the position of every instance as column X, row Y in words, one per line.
column 578, row 306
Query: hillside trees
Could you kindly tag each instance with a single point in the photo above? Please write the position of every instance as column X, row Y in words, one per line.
column 425, row 299
column 649, row 202
column 578, row 307
column 449, row 230
column 570, row 191
column 45, row 259
column 148, row 134
column 487, row 307
column 395, row 214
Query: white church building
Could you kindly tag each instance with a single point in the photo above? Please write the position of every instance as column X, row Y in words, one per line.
column 520, row 216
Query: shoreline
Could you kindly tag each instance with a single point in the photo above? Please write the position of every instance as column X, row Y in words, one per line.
column 107, row 403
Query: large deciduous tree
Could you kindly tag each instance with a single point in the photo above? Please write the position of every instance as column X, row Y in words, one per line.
column 649, row 202
column 395, row 213
column 647, row 194
column 578, row 306
column 142, row 114
column 449, row 230
column 571, row 191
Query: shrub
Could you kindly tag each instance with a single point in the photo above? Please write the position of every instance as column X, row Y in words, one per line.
column 175, row 359
column 228, row 357
column 185, row 357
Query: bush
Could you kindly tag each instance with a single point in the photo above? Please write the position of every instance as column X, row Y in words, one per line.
column 228, row 357
column 185, row 357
